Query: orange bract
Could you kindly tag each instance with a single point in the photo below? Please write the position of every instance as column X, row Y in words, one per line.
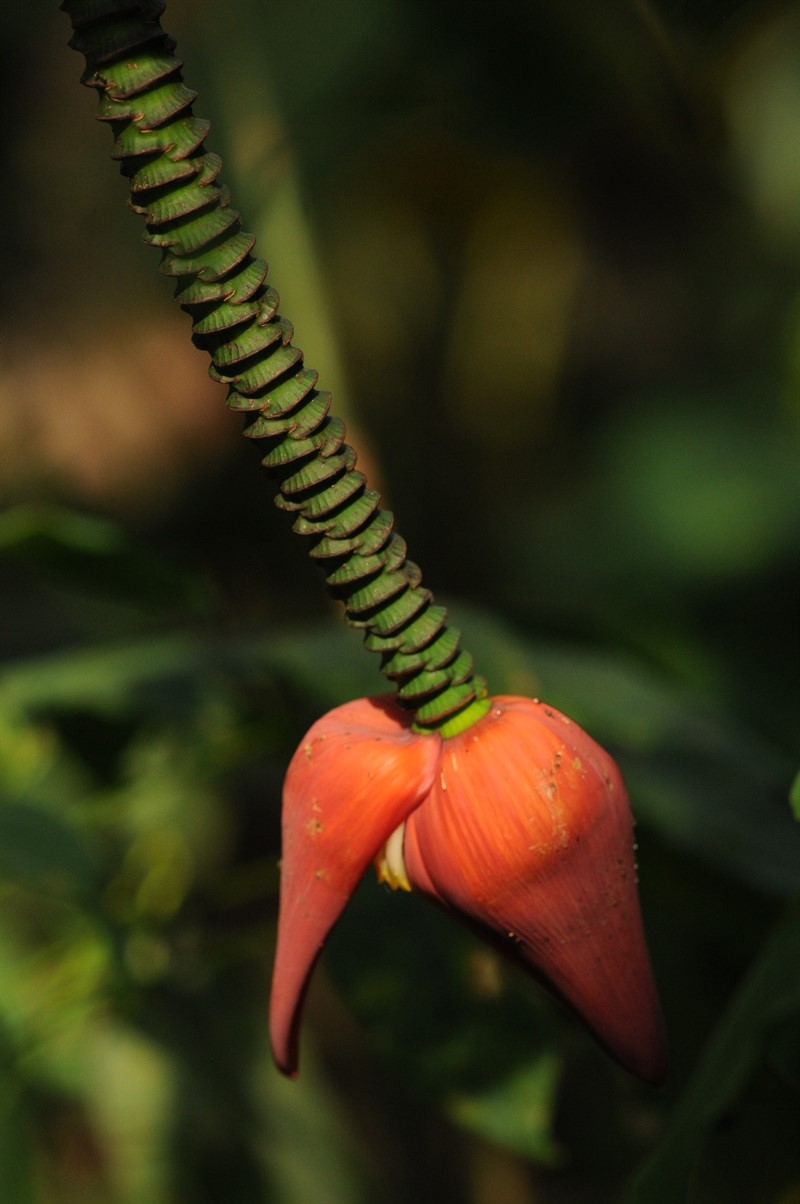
column 519, row 826
column 527, row 834
column 357, row 774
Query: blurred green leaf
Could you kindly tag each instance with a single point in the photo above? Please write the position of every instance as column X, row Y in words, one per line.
column 308, row 1142
column 772, row 984
column 450, row 1018
column 97, row 554
column 794, row 796
column 105, row 678
column 39, row 849
column 16, row 1180
column 701, row 487
column 518, row 1112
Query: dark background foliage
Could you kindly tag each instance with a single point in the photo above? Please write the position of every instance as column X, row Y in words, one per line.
column 546, row 256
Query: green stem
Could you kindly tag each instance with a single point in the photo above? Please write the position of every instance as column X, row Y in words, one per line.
column 175, row 185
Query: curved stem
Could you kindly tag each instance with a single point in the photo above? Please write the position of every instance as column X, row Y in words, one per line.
column 175, row 186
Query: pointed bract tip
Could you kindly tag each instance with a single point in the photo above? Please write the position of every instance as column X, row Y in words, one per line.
column 356, row 776
column 527, row 834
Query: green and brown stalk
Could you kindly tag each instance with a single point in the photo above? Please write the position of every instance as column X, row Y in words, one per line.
column 175, row 185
